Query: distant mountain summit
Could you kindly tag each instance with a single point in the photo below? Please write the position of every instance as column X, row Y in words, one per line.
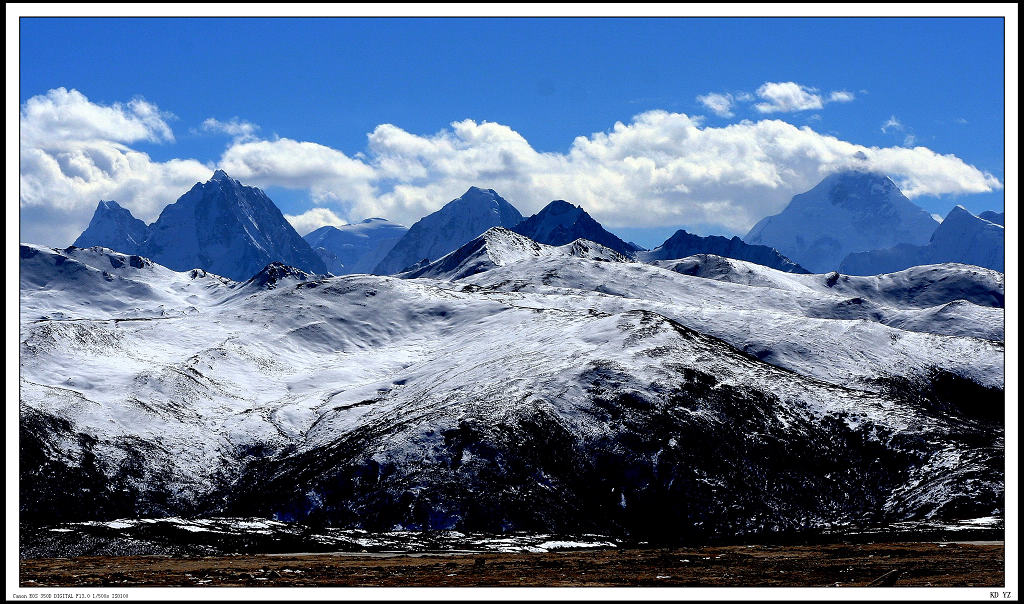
column 356, row 248
column 683, row 244
column 458, row 222
column 851, row 211
column 560, row 223
column 114, row 227
column 220, row 226
column 961, row 237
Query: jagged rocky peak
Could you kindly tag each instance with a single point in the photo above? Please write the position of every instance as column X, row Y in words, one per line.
column 682, row 245
column 220, row 176
column 114, row 227
column 561, row 223
column 275, row 272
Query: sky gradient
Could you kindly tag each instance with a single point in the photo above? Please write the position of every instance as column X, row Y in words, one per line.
column 720, row 120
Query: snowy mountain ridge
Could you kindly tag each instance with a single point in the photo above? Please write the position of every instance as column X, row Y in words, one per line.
column 220, row 226
column 441, row 232
column 960, row 237
column 558, row 388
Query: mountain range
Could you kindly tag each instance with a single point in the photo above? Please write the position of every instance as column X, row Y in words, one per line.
column 457, row 222
column 511, row 386
column 221, row 226
column 683, row 244
column 960, row 237
column 230, row 229
column 355, row 248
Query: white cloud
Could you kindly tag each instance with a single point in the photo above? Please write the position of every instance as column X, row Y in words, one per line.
column 67, row 115
column 909, row 140
column 313, row 219
column 660, row 168
column 73, row 154
column 787, row 97
column 840, row 96
column 239, row 130
column 329, row 174
column 892, row 123
column 718, row 103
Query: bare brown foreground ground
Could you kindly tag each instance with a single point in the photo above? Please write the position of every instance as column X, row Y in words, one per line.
column 881, row 564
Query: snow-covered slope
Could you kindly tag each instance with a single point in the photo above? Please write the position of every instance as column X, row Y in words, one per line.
column 221, row 226
column 961, row 237
column 459, row 221
column 114, row 227
column 560, row 222
column 915, row 287
column 498, row 247
column 851, row 211
column 357, row 247
column 552, row 391
column 682, row 244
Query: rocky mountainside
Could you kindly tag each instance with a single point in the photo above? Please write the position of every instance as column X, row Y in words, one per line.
column 560, row 222
column 961, row 237
column 563, row 389
column 458, row 222
column 114, row 227
column 851, row 211
column 221, row 226
column 683, row 244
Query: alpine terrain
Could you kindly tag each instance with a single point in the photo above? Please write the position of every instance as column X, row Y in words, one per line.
column 355, row 248
column 506, row 385
column 851, row 211
column 221, row 226
column 683, row 244
column 960, row 237
column 459, row 221
column 560, row 222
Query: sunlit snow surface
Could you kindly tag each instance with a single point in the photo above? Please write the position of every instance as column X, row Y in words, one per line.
column 197, row 372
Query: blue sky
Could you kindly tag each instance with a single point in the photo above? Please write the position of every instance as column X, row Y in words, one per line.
column 901, row 83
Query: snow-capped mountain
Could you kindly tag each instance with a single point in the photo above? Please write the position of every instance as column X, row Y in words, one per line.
column 357, row 247
column 459, row 221
column 114, row 227
column 960, row 237
column 221, row 226
column 683, row 244
column 560, row 222
column 498, row 247
column 555, row 389
column 851, row 211
column 227, row 228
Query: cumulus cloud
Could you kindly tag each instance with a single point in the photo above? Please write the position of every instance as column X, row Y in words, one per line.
column 63, row 115
column 239, row 130
column 718, row 103
column 73, row 154
column 313, row 219
column 783, row 97
column 329, row 174
column 660, row 168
